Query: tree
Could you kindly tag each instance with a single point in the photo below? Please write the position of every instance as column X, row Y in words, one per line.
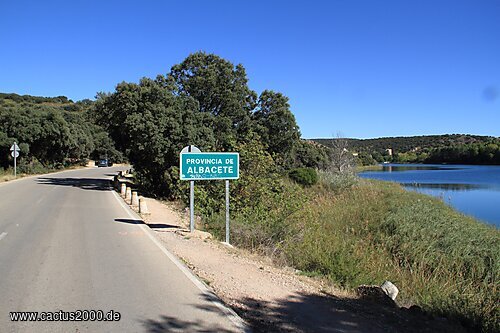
column 204, row 101
column 312, row 155
column 221, row 89
column 341, row 158
column 276, row 125
column 5, row 144
column 51, row 135
column 151, row 124
column 364, row 158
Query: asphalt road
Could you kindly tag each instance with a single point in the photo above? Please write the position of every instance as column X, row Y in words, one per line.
column 67, row 243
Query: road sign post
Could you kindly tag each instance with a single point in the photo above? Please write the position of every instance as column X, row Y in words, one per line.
column 208, row 166
column 15, row 153
column 191, row 149
column 227, row 211
column 191, row 206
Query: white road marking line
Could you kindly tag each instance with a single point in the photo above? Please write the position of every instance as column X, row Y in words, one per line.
column 233, row 316
column 2, row 235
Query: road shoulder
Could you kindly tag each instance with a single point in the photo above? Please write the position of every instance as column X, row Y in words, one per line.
column 204, row 288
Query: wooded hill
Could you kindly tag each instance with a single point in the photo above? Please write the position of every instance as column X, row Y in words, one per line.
column 51, row 132
column 407, row 143
column 448, row 148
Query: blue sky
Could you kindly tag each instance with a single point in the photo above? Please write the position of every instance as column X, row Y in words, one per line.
column 361, row 68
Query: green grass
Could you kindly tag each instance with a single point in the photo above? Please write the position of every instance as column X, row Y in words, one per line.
column 361, row 168
column 354, row 232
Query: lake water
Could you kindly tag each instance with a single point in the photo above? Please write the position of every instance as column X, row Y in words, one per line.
column 473, row 190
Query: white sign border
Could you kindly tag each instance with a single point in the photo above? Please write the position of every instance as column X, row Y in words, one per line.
column 210, row 152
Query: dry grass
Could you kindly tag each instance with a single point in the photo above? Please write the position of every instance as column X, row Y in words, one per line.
column 8, row 175
column 357, row 232
column 444, row 261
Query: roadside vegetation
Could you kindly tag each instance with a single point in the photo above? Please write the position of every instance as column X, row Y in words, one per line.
column 354, row 231
column 25, row 171
column 8, row 174
column 52, row 133
column 297, row 200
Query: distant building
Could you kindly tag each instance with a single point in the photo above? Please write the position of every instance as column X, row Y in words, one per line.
column 389, row 151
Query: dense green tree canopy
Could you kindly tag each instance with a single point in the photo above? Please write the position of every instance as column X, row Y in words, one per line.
column 205, row 101
column 276, row 125
column 221, row 89
column 49, row 133
column 448, row 148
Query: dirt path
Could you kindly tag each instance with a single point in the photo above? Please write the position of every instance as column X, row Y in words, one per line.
column 270, row 298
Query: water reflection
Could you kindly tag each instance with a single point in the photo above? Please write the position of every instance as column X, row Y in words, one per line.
column 398, row 168
column 448, row 187
column 473, row 190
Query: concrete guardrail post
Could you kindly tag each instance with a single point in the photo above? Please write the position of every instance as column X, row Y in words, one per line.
column 134, row 201
column 123, row 190
column 143, row 207
column 128, row 194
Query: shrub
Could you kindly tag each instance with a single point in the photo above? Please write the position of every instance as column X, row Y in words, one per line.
column 304, row 176
column 337, row 182
column 264, row 225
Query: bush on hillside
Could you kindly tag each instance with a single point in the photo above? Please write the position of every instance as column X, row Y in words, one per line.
column 304, row 176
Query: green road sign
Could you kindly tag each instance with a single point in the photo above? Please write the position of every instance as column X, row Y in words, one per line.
column 209, row 166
